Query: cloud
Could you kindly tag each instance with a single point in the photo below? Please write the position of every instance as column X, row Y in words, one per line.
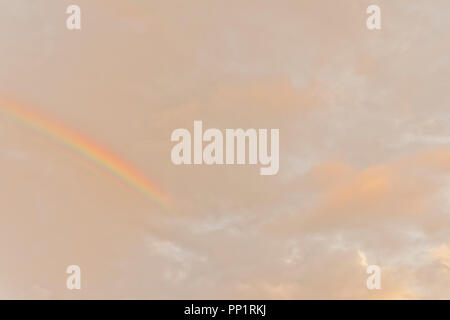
column 364, row 166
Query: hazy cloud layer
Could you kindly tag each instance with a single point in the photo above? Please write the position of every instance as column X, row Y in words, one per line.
column 364, row 149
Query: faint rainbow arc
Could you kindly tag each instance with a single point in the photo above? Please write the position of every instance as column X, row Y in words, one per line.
column 89, row 149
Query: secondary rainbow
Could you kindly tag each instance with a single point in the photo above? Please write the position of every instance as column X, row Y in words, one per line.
column 88, row 148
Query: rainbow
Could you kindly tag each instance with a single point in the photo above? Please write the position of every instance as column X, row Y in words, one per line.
column 87, row 148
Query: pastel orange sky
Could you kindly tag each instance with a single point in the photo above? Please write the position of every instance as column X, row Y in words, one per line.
column 364, row 149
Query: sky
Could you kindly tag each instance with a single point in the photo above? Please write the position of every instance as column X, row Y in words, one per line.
column 364, row 126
